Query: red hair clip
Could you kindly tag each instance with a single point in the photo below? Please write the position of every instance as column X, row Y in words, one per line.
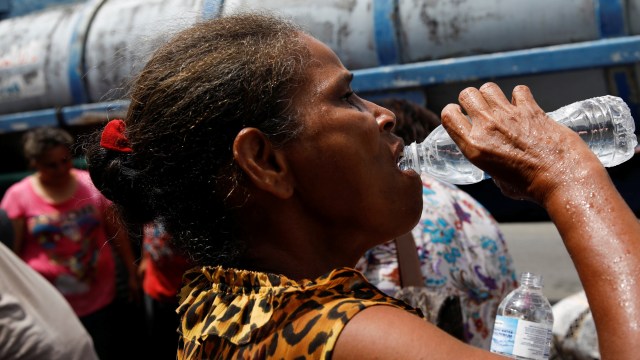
column 113, row 137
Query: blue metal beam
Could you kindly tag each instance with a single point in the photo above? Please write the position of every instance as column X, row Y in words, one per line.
column 598, row 53
column 69, row 116
column 81, row 114
column 28, row 120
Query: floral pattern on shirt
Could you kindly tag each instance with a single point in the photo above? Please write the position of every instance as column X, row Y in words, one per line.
column 462, row 253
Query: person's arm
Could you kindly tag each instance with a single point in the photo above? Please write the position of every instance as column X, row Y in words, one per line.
column 531, row 156
column 385, row 332
column 18, row 234
column 123, row 247
column 12, row 206
column 602, row 236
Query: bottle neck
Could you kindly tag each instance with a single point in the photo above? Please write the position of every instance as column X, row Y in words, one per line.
column 531, row 281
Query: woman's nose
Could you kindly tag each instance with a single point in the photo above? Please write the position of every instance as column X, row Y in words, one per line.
column 386, row 118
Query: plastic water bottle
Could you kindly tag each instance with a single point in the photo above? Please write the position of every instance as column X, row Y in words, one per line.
column 524, row 324
column 605, row 123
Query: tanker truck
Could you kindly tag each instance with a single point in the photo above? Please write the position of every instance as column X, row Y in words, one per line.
column 68, row 63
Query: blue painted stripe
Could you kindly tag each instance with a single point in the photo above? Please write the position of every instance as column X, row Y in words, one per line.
column 386, row 32
column 211, row 9
column 598, row 53
column 76, row 68
column 610, row 16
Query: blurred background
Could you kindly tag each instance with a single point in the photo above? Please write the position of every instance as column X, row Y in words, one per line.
column 68, row 63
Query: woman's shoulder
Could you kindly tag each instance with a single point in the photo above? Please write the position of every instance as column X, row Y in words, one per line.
column 264, row 308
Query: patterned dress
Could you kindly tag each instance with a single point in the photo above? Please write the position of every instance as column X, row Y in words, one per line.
column 462, row 253
column 237, row 314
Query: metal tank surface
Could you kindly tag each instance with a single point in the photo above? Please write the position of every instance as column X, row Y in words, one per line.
column 69, row 62
column 122, row 36
column 35, row 60
column 86, row 53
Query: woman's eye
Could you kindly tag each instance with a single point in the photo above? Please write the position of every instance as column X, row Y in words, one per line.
column 350, row 98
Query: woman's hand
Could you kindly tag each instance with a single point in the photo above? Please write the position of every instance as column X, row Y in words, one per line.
column 528, row 154
column 531, row 156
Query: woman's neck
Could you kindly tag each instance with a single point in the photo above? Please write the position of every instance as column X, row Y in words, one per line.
column 55, row 191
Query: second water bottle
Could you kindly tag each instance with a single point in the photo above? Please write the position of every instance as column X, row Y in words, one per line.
column 524, row 322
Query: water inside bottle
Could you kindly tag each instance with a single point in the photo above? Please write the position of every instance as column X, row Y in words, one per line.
column 605, row 123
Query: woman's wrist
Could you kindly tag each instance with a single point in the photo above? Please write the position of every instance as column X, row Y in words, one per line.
column 574, row 192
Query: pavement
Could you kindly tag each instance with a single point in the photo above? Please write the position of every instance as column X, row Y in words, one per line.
column 537, row 247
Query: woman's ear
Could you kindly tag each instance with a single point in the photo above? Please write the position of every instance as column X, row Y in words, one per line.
column 264, row 165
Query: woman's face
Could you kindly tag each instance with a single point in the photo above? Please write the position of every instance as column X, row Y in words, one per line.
column 54, row 166
column 345, row 161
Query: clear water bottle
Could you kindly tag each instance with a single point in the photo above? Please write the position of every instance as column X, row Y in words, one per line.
column 524, row 323
column 605, row 123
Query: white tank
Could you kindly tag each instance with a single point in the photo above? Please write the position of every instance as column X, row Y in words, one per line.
column 86, row 53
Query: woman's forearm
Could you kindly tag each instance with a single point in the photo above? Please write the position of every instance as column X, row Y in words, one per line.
column 602, row 235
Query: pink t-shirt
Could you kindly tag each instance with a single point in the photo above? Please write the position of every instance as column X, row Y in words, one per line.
column 67, row 242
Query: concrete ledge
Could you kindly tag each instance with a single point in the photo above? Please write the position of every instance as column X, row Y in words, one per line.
column 537, row 247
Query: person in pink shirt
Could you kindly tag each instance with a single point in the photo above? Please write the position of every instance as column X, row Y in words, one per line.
column 64, row 230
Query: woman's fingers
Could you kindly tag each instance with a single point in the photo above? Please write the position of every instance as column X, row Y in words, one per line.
column 502, row 135
column 481, row 103
column 456, row 123
column 494, row 96
column 521, row 95
column 473, row 102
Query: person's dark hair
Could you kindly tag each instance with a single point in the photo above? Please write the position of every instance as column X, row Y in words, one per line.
column 187, row 106
column 413, row 121
column 36, row 142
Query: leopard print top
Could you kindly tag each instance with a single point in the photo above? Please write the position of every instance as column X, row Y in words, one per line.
column 237, row 314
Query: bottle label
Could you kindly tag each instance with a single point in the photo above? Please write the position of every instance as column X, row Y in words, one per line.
column 522, row 338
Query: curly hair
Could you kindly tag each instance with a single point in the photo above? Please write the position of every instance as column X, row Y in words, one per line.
column 413, row 121
column 36, row 142
column 187, row 106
